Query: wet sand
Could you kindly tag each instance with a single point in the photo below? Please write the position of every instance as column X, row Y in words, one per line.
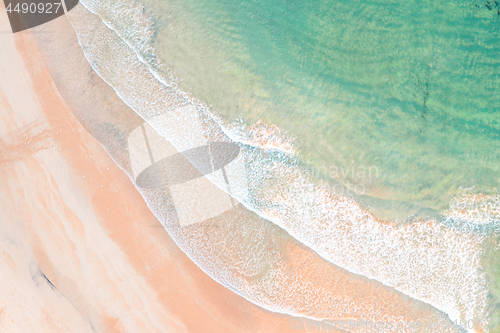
column 81, row 250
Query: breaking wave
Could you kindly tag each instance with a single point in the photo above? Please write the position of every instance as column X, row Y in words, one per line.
column 427, row 260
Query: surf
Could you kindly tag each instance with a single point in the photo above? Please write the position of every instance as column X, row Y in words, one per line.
column 407, row 258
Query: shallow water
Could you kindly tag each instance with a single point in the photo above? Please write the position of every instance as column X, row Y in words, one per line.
column 329, row 112
column 409, row 89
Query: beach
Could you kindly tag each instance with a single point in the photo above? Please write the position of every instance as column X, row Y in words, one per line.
column 81, row 252
column 84, row 250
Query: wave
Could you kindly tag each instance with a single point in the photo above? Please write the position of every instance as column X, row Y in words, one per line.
column 474, row 212
column 426, row 260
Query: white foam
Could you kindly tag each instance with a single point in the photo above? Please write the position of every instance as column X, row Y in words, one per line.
column 426, row 260
column 474, row 208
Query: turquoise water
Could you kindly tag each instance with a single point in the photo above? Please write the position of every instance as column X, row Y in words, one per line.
column 402, row 129
column 410, row 88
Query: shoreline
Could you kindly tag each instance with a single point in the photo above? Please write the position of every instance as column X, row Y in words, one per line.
column 114, row 183
column 82, row 212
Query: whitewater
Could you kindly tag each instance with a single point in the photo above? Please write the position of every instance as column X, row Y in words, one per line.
column 427, row 260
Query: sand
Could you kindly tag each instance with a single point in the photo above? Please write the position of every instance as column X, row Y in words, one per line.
column 80, row 251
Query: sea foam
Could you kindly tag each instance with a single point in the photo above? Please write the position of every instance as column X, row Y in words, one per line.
column 426, row 260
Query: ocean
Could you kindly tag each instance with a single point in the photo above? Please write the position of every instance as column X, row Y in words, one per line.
column 366, row 132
